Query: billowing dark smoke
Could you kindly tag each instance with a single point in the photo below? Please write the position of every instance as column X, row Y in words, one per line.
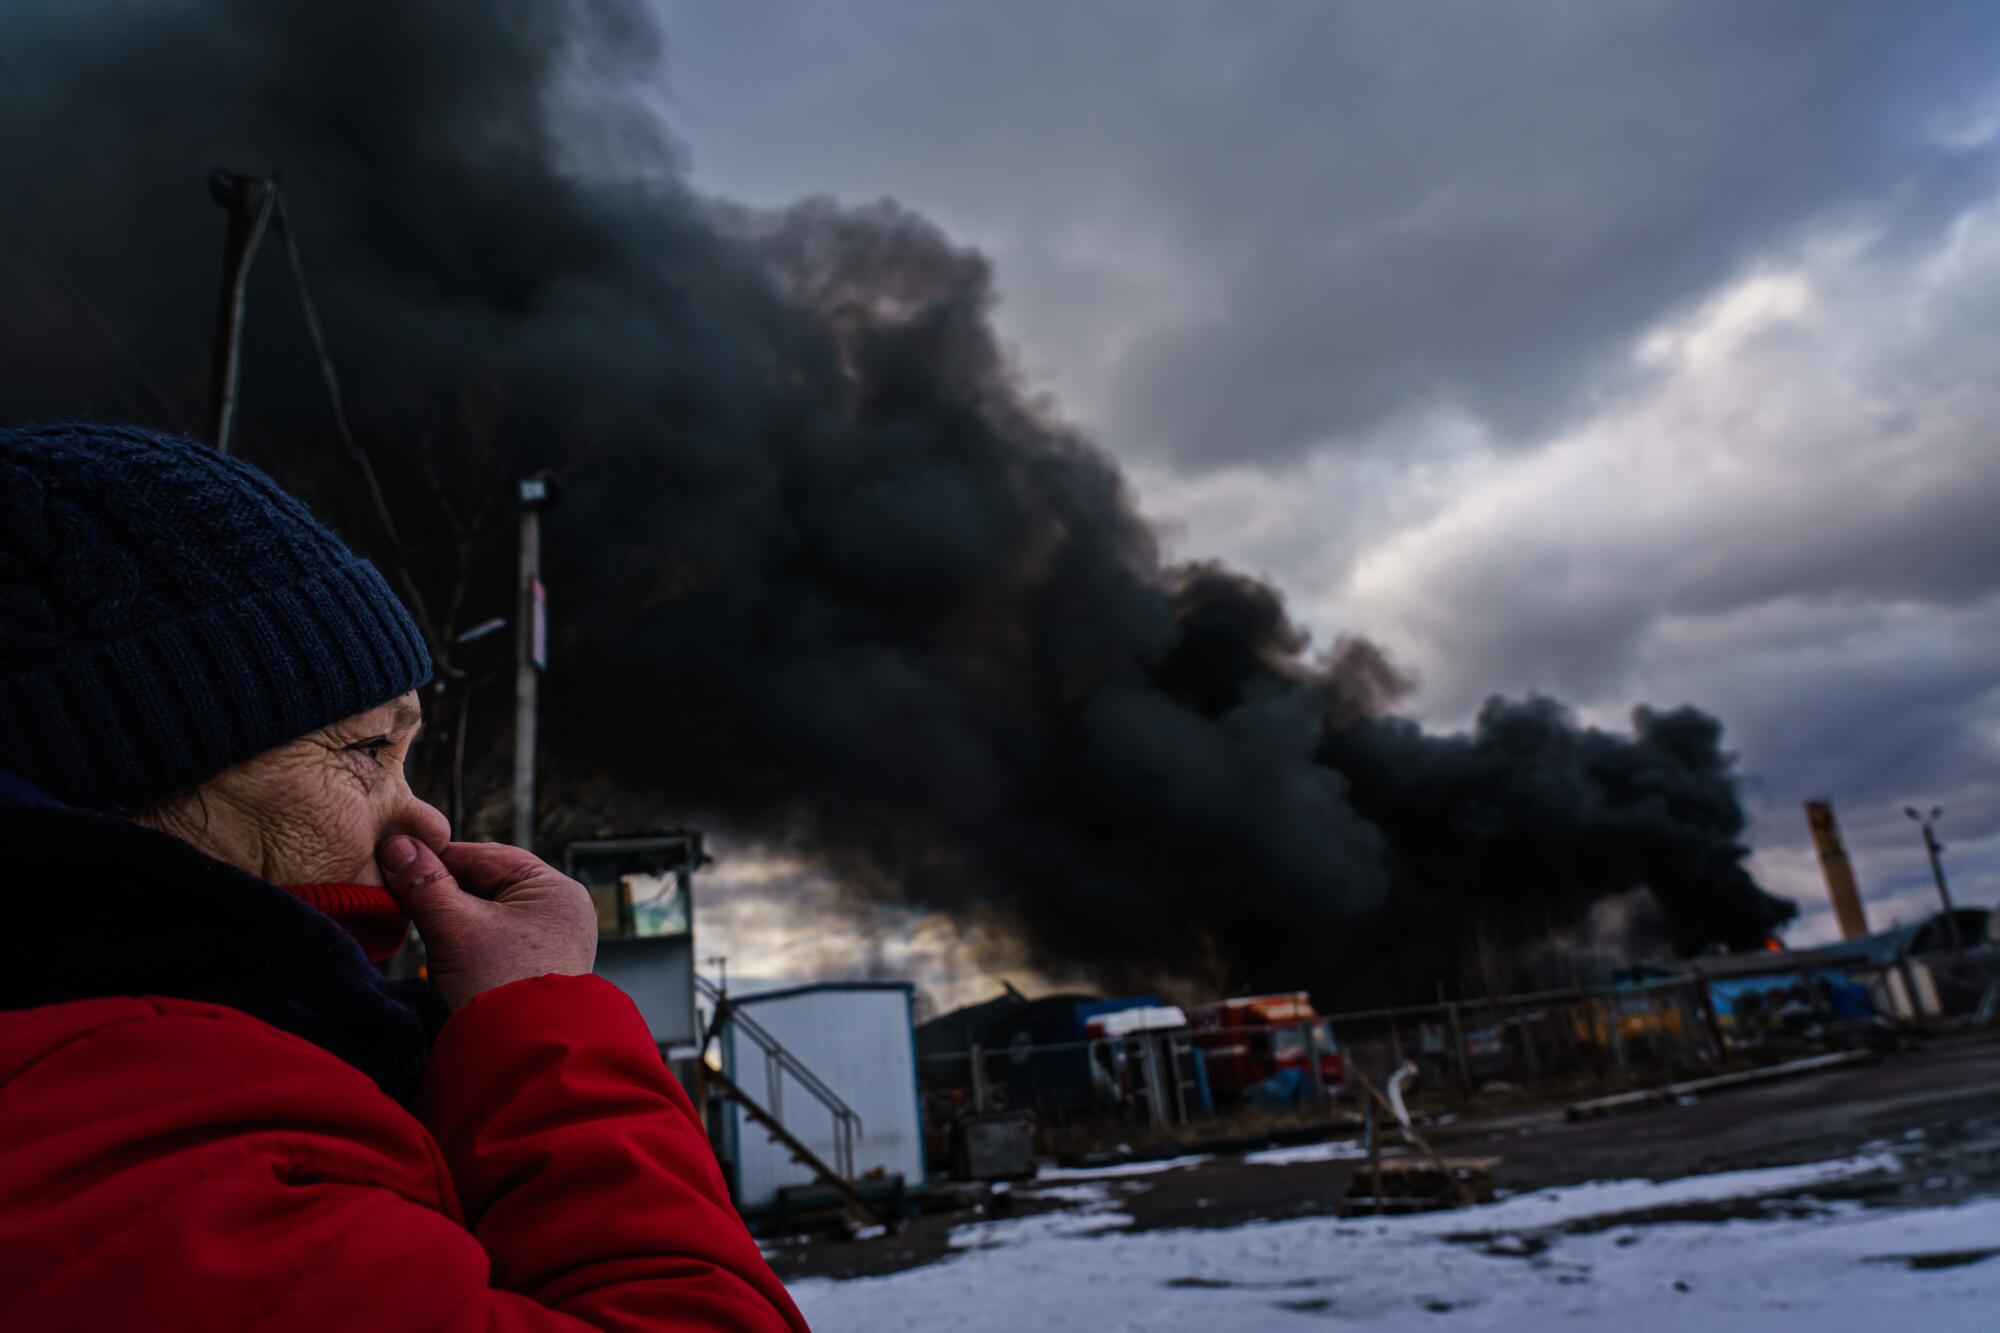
column 824, row 575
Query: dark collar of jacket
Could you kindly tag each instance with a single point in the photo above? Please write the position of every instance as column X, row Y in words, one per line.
column 97, row 905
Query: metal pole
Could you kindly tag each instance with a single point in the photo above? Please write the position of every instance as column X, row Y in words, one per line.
column 1705, row 1048
column 1315, row 1075
column 1909, row 975
column 1614, row 1030
column 249, row 202
column 1374, row 1136
column 1458, row 1051
column 527, row 675
column 1573, row 1021
column 978, row 1080
column 1156, row 1109
column 1933, row 849
column 1711, row 1019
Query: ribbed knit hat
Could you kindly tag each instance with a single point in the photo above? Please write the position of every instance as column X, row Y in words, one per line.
column 166, row 611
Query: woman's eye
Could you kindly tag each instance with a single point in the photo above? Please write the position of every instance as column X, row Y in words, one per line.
column 373, row 749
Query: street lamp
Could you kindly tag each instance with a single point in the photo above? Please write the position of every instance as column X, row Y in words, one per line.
column 1934, row 849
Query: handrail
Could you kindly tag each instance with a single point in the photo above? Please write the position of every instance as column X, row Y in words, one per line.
column 770, row 1045
column 847, row 1121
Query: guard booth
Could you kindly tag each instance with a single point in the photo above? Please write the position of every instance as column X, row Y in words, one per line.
column 643, row 888
column 835, row 1065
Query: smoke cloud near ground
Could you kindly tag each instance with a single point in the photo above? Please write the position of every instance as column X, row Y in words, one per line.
column 825, row 574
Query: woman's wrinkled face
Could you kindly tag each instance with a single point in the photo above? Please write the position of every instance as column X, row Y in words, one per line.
column 313, row 811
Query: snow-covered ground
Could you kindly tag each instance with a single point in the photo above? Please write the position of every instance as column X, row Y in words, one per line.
column 1123, row 1169
column 1333, row 1150
column 1553, row 1259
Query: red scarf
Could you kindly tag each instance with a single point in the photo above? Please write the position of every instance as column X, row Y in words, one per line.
column 365, row 911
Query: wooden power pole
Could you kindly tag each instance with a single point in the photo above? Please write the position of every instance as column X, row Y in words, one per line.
column 249, row 200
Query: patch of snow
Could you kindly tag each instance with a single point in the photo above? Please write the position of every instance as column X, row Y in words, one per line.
column 1077, row 1193
column 1840, row 1270
column 1093, row 1213
column 1121, row 1169
column 1607, row 1198
column 1338, row 1150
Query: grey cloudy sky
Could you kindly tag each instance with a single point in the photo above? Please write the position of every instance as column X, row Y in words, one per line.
column 1632, row 353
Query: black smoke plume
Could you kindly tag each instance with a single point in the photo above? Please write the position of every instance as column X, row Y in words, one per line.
column 825, row 575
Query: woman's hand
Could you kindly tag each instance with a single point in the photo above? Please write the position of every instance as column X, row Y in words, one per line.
column 490, row 914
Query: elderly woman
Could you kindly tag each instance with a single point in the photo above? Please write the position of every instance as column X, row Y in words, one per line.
column 215, row 1112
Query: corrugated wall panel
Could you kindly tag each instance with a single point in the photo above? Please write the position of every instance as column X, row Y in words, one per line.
column 859, row 1042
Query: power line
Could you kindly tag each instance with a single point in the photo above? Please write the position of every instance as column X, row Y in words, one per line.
column 91, row 308
column 377, row 498
column 23, row 218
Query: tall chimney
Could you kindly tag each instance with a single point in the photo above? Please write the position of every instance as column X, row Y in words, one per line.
column 1839, row 871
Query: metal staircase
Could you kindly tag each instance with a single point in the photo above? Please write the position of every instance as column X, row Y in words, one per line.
column 837, row 1175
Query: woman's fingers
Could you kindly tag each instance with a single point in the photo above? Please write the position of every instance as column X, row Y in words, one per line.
column 417, row 880
column 490, row 914
column 490, row 869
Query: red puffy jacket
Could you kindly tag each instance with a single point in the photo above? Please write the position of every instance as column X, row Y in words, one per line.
column 169, row 1163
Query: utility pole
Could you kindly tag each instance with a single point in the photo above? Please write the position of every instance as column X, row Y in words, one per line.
column 249, row 200
column 1934, row 849
column 531, row 650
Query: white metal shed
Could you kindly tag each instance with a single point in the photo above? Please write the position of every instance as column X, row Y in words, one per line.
column 859, row 1038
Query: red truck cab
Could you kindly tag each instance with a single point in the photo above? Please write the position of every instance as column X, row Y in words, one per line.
column 1253, row 1037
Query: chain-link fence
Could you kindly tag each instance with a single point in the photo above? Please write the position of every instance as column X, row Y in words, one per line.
column 1964, row 984
column 1459, row 1049
column 1466, row 1051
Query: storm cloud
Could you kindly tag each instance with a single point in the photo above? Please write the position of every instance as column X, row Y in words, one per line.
column 1246, row 232
column 830, row 573
column 1628, row 353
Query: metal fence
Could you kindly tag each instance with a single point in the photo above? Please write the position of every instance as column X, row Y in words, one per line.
column 1463, row 1047
column 1458, row 1048
column 1462, row 1050
column 1962, row 983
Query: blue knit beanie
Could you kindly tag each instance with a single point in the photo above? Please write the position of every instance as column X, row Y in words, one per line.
column 166, row 611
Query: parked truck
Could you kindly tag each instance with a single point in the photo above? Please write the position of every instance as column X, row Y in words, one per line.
column 1260, row 1048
